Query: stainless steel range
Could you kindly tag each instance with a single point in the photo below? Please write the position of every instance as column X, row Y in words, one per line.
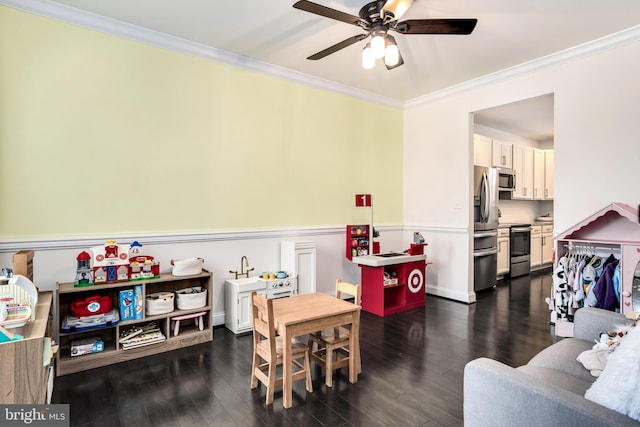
column 520, row 249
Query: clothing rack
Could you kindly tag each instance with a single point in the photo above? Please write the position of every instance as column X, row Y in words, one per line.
column 572, row 246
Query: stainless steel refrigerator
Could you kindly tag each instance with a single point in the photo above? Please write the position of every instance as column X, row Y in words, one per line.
column 485, row 223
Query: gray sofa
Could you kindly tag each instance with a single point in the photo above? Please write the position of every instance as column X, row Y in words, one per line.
column 549, row 390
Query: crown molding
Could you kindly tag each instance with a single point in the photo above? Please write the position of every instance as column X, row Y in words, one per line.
column 612, row 41
column 129, row 31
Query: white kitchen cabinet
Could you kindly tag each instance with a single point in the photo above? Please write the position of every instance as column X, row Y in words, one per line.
column 543, row 164
column 501, row 154
column 481, row 151
column 523, row 166
column 536, row 246
column 547, row 244
column 538, row 174
column 541, row 245
column 504, row 262
column 549, row 163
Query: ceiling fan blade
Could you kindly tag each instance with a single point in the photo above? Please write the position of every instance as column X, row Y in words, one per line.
column 395, row 8
column 435, row 26
column 336, row 47
column 327, row 12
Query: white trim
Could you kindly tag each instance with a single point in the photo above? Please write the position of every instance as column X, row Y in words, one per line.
column 457, row 230
column 129, row 31
column 466, row 297
column 76, row 242
column 611, row 41
column 218, row 320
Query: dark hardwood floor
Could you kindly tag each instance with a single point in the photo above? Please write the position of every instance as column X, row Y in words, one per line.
column 412, row 371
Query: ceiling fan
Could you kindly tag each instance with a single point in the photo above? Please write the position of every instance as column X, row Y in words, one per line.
column 377, row 19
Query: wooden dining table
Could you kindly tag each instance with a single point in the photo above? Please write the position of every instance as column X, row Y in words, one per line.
column 307, row 313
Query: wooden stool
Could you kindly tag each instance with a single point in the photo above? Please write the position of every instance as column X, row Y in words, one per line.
column 198, row 318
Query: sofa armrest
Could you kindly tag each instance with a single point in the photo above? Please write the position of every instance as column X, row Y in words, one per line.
column 589, row 322
column 497, row 395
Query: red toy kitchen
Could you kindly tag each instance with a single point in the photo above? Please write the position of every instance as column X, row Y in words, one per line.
column 392, row 282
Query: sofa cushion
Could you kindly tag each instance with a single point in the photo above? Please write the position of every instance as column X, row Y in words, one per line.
column 561, row 357
column 568, row 382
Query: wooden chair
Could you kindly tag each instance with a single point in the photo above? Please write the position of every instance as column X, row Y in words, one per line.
column 268, row 350
column 330, row 347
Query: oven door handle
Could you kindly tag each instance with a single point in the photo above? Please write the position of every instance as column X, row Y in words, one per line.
column 486, row 234
column 485, row 253
column 520, row 229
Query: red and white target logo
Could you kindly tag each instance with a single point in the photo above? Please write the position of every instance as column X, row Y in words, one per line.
column 416, row 280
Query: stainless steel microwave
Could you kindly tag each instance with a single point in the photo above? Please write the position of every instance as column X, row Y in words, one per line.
column 506, row 179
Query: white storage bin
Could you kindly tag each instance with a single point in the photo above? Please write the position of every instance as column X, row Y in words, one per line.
column 194, row 297
column 187, row 267
column 158, row 303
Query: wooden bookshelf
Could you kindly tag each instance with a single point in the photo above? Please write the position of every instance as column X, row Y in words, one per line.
column 22, row 363
column 113, row 352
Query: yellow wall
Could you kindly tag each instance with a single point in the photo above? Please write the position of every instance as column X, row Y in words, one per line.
column 100, row 134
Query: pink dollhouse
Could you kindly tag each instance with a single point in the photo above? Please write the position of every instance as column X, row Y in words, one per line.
column 612, row 232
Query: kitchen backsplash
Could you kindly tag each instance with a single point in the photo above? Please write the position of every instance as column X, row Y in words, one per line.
column 523, row 210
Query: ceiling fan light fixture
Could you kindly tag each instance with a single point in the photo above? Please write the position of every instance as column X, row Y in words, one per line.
column 391, row 54
column 377, row 19
column 378, row 45
column 368, row 61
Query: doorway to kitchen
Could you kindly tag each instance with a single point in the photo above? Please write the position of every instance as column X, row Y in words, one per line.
column 518, row 139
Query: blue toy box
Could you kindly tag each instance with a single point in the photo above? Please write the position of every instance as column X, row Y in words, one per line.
column 131, row 304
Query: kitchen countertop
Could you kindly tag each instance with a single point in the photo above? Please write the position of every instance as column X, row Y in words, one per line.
column 380, row 261
column 533, row 223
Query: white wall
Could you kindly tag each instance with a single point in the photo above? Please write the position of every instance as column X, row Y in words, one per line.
column 596, row 148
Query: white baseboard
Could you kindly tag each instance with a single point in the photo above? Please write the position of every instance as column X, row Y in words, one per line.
column 466, row 297
column 218, row 319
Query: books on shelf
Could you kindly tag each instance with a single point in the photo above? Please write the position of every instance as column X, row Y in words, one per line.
column 141, row 335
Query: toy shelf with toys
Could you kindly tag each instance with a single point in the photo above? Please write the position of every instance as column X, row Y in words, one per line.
column 88, row 342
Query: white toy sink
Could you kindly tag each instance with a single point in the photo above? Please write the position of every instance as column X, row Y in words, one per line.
column 248, row 283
